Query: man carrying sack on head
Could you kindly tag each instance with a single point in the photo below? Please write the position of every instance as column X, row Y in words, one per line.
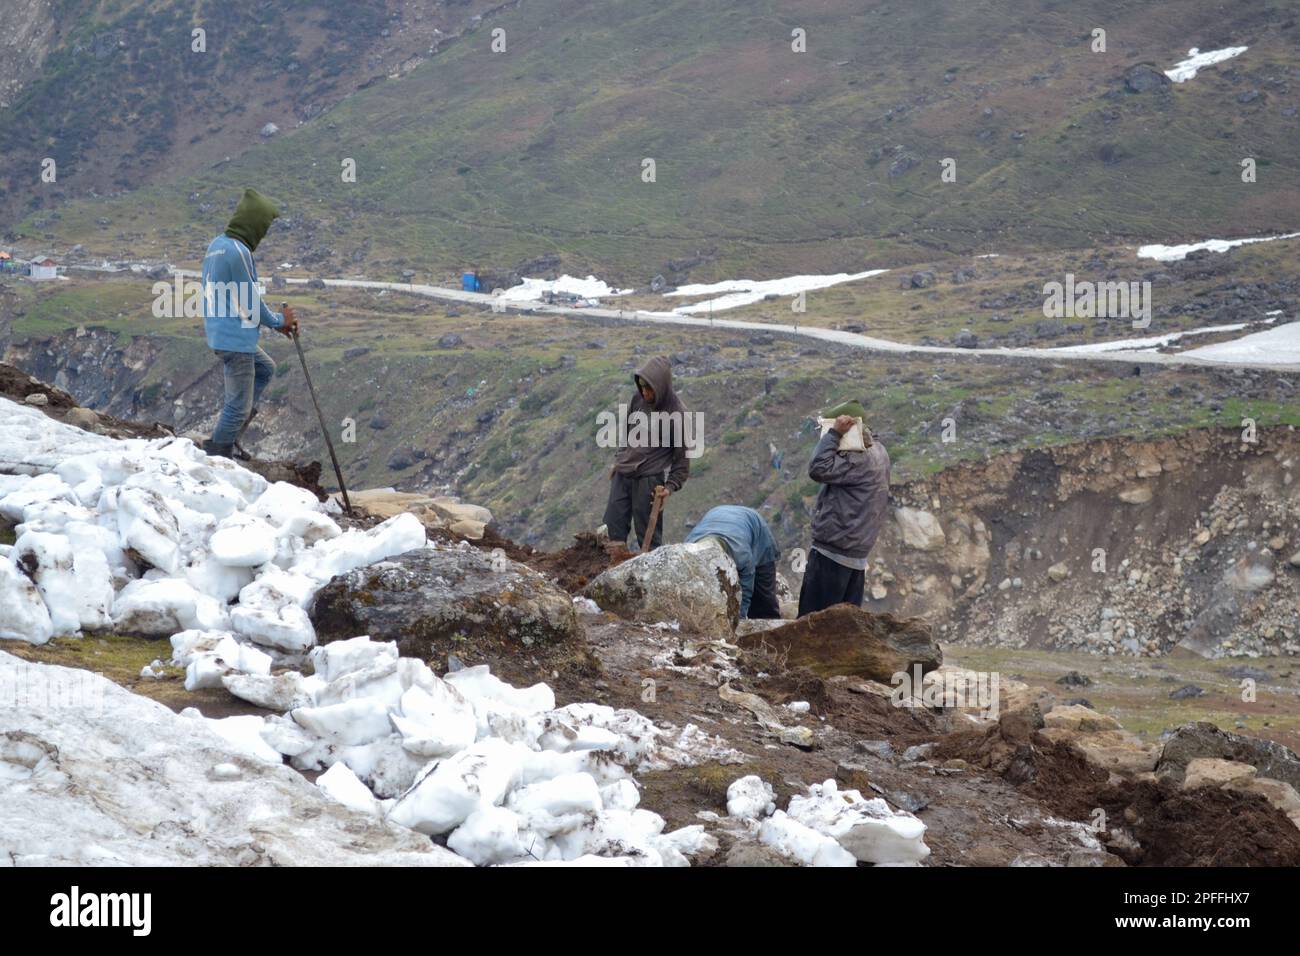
column 637, row 474
column 233, row 316
column 853, row 470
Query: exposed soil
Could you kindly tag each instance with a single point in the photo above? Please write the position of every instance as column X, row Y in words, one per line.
column 17, row 385
column 571, row 568
column 1032, row 802
column 1203, row 827
column 304, row 476
column 967, row 813
column 577, row 564
column 988, row 799
column 1144, row 822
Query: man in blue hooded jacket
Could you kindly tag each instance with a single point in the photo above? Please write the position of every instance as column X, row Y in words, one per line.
column 745, row 536
column 233, row 316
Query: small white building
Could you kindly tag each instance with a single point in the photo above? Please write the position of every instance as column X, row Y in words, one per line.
column 43, row 269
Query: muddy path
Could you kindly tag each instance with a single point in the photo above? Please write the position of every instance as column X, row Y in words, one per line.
column 859, row 739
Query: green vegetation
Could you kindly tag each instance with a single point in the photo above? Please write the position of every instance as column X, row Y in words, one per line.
column 1137, row 693
column 768, row 161
column 510, row 415
column 120, row 658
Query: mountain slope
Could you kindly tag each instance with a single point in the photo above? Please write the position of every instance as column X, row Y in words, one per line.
column 122, row 94
column 769, row 160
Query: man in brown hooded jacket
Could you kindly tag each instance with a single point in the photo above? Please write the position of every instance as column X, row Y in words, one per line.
column 650, row 457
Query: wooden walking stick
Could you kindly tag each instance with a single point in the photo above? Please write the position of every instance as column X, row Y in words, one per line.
column 660, row 492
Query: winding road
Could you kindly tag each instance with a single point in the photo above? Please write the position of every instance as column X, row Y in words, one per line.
column 851, row 339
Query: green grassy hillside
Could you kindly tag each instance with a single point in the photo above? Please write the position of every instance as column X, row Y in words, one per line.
column 505, row 411
column 122, row 97
column 767, row 161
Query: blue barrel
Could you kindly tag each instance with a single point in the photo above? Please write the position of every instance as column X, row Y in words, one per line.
column 469, row 282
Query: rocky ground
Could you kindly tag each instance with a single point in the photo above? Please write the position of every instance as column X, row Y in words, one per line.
column 1044, row 784
column 1113, row 546
column 1031, row 775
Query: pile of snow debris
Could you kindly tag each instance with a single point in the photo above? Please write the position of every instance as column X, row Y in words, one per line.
column 154, row 537
column 827, row 826
column 94, row 775
column 500, row 771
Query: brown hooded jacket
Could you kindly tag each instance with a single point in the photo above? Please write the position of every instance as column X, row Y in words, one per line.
column 640, row 462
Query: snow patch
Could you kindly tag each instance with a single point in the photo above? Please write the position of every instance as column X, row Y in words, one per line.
column 747, row 291
column 532, row 290
column 1184, row 70
column 1277, row 345
column 1176, row 253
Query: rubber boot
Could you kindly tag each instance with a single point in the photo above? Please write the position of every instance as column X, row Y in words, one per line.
column 239, row 452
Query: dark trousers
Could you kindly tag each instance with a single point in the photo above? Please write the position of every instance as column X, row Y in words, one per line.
column 826, row 583
column 763, row 604
column 629, row 506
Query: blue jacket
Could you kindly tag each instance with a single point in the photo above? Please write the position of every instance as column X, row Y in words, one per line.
column 233, row 309
column 748, row 539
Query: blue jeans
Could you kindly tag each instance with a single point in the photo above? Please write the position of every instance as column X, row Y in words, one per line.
column 246, row 376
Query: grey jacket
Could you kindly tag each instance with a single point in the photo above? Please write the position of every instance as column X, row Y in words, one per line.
column 854, row 500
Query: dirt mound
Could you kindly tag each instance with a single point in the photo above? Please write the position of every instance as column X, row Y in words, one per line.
column 577, row 564
column 850, row 705
column 493, row 539
column 1144, row 822
column 1202, row 827
column 304, row 476
column 571, row 568
column 16, row 384
column 849, row 641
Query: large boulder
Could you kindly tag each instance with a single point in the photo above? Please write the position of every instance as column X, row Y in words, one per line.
column 920, row 529
column 1116, row 751
column 1144, row 79
column 693, row 584
column 1202, row 739
column 846, row 640
column 1213, row 772
column 435, row 512
column 431, row 600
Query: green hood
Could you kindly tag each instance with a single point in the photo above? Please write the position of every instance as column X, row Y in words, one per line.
column 852, row 409
column 252, row 219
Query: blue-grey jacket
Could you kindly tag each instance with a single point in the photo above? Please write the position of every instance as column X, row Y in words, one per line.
column 854, row 499
column 233, row 310
column 748, row 539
